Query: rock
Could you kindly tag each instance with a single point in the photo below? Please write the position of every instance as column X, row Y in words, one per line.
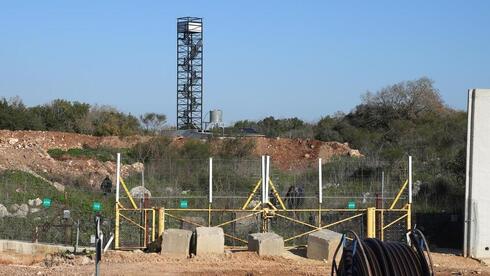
column 14, row 207
column 307, row 155
column 85, row 260
column 34, row 210
column 3, row 211
column 140, row 192
column 138, row 166
column 13, row 141
column 209, row 240
column 355, row 153
column 21, row 211
column 266, row 244
column 58, row 186
column 38, row 202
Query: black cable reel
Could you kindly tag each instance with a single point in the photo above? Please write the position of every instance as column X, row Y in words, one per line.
column 373, row 257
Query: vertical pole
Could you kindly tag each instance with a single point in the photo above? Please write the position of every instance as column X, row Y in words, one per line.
column 116, row 228
column 382, row 231
column 263, row 179
column 320, row 192
column 210, row 189
column 78, row 236
column 153, row 218
column 409, row 209
column 267, row 175
column 371, row 222
column 409, row 217
column 410, row 179
column 161, row 221
column 382, row 189
column 118, row 175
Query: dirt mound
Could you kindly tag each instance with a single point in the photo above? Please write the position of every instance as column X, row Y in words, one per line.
column 292, row 154
column 27, row 151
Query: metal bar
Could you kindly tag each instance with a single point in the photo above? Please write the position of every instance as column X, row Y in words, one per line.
column 263, row 179
column 323, row 227
column 108, row 244
column 161, row 221
column 371, row 222
column 395, row 221
column 118, row 175
column 382, row 232
column 251, row 195
column 153, row 223
column 320, row 185
column 237, row 219
column 209, row 214
column 267, row 173
column 399, row 194
column 210, row 180
column 277, row 195
column 128, row 193
column 410, row 179
column 130, row 220
column 116, row 228
column 297, row 221
column 409, row 216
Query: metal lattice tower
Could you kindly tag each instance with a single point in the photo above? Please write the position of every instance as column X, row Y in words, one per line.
column 189, row 72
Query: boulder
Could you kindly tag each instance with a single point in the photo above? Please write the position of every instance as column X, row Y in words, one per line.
column 3, row 211
column 266, row 244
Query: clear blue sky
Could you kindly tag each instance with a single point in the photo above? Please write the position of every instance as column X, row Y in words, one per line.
column 281, row 58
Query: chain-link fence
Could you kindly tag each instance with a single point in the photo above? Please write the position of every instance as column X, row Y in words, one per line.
column 181, row 186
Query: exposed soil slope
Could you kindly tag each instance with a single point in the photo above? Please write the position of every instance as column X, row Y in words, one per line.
column 28, row 151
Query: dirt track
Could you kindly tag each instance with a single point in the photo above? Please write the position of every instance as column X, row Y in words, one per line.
column 237, row 263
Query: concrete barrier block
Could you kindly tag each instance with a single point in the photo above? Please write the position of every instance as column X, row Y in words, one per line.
column 176, row 241
column 322, row 245
column 209, row 240
column 266, row 244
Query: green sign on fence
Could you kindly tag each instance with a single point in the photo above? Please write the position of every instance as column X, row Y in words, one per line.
column 96, row 206
column 183, row 203
column 46, row 202
column 351, row 205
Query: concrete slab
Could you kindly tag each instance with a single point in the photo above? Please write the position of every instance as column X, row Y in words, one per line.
column 176, row 242
column 266, row 244
column 30, row 248
column 209, row 240
column 322, row 245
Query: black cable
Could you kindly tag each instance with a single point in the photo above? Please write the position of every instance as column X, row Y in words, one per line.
column 372, row 257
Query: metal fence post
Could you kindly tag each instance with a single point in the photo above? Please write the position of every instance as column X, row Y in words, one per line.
column 371, row 222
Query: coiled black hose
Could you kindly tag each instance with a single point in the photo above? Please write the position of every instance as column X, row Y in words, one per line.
column 373, row 257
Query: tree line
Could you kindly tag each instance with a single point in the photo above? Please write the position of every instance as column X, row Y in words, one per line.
column 77, row 117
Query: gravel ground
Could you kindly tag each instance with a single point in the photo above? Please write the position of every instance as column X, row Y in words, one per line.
column 236, row 263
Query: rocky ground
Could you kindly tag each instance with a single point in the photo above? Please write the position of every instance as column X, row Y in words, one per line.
column 231, row 263
column 28, row 151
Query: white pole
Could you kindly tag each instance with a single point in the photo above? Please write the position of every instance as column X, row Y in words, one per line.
column 263, row 179
column 118, row 174
column 210, row 179
column 410, row 179
column 320, row 185
column 267, row 173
